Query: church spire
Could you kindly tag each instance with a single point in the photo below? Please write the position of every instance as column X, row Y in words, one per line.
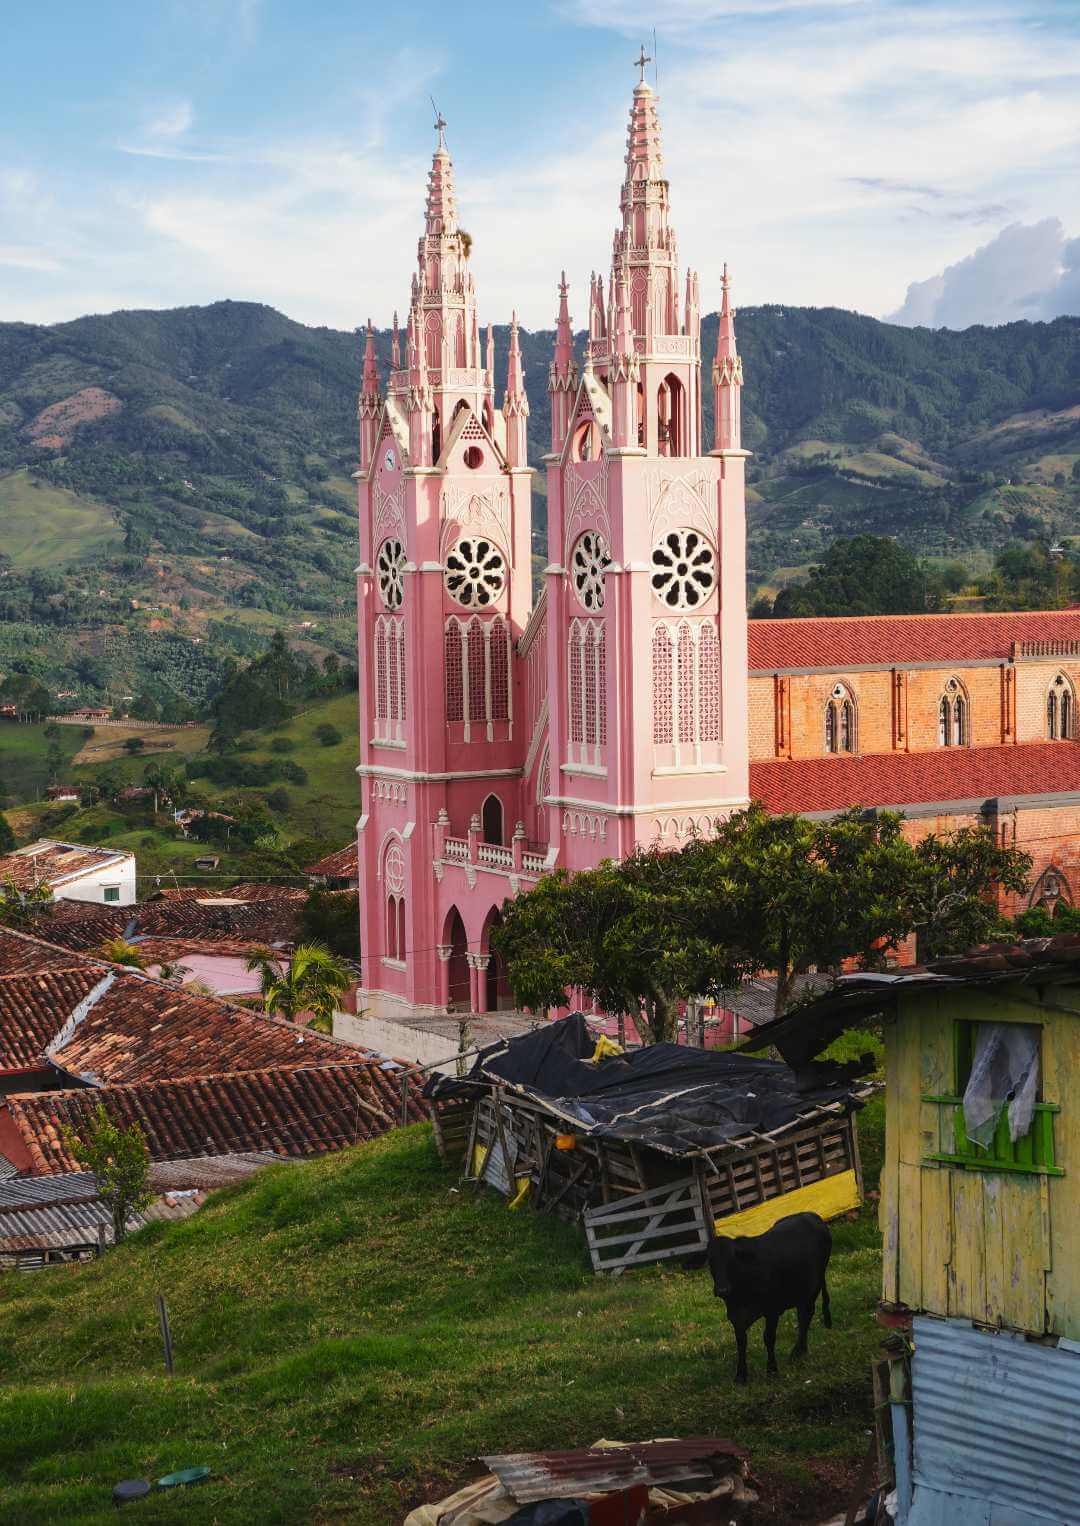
column 645, row 243
column 516, row 404
column 562, row 377
column 441, row 210
column 370, row 405
column 727, row 377
column 395, row 345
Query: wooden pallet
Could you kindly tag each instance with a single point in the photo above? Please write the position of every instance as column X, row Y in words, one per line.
column 654, row 1225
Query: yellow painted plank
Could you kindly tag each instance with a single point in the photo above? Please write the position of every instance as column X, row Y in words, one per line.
column 910, row 1236
column 1023, row 1299
column 830, row 1197
column 937, row 1238
column 889, row 1206
column 967, row 1283
column 995, row 1192
column 906, row 1090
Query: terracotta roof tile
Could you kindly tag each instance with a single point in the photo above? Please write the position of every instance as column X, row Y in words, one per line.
column 33, row 1008
column 340, row 865
column 267, row 920
column 898, row 779
column 290, row 1112
column 890, row 640
column 23, row 954
column 52, row 863
column 254, row 891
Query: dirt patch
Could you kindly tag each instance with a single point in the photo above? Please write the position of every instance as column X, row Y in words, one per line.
column 54, row 426
column 821, row 1490
column 107, row 743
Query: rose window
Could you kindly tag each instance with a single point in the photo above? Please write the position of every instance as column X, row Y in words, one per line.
column 390, row 569
column 475, row 572
column 684, row 569
column 589, row 560
column 394, row 869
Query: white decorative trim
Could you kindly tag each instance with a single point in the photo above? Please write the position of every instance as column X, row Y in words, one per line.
column 677, row 498
column 438, row 778
column 733, row 803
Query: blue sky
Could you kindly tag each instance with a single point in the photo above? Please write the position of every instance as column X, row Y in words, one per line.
column 160, row 152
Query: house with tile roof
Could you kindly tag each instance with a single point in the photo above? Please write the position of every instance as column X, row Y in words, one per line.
column 72, row 871
column 203, row 1076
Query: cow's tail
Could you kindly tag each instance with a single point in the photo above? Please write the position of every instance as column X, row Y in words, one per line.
column 826, row 1312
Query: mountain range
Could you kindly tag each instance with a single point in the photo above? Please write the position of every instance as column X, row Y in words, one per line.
column 175, row 485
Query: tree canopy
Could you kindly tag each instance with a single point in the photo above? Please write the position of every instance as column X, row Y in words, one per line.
column 766, row 894
column 861, row 575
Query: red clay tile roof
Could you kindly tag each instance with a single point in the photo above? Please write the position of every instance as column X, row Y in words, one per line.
column 890, row 640
column 52, row 863
column 82, row 926
column 254, row 891
column 33, row 1008
column 898, row 779
column 292, row 1112
column 24, row 954
column 143, row 1030
column 335, row 866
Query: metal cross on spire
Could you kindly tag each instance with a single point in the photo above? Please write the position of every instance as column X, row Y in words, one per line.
column 440, row 122
column 645, row 58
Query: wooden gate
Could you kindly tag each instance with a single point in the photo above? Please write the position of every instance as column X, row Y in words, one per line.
column 649, row 1226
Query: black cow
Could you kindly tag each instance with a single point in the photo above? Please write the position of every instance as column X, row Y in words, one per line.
column 763, row 1275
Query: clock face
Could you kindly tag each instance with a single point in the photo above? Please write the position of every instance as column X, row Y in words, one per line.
column 390, row 460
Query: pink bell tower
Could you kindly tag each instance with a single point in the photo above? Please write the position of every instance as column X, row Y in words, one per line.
column 646, row 587
column 443, row 591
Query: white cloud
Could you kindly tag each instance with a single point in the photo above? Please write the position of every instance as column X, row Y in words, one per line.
column 1027, row 271
column 172, row 121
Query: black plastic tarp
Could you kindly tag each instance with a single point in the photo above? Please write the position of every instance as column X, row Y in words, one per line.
column 666, row 1096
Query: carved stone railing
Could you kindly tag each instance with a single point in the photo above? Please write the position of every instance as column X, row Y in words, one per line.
column 471, row 853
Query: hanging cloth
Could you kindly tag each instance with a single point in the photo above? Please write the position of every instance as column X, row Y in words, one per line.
column 1004, row 1074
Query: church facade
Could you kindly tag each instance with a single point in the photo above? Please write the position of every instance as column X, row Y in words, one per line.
column 502, row 737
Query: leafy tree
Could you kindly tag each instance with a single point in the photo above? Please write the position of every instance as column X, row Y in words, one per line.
column 951, row 898
column 278, row 800
column 765, row 894
column 312, row 981
column 134, row 745
column 329, row 736
column 333, row 917
column 628, row 935
column 863, row 575
column 282, row 744
column 21, row 908
column 7, row 836
column 120, row 1164
column 144, row 708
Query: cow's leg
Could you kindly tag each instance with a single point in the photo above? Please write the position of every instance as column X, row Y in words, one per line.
column 771, row 1322
column 740, row 1348
column 826, row 1312
column 805, row 1313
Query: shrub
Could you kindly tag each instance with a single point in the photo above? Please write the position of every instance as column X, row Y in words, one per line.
column 329, row 736
column 282, row 744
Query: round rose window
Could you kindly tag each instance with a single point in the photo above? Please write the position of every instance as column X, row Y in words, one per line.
column 684, row 569
column 589, row 560
column 475, row 572
column 390, row 570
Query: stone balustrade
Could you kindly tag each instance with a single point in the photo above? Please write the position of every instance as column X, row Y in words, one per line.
column 473, row 854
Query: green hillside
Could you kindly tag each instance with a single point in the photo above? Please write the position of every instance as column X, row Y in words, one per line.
column 351, row 1333
column 184, row 476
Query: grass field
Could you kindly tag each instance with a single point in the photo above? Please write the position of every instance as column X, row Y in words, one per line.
column 46, row 526
column 351, row 1333
column 24, row 758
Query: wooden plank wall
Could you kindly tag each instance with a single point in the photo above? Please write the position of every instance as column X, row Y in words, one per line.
column 993, row 1247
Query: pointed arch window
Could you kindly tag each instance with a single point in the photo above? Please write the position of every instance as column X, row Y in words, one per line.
column 686, row 688
column 953, row 716
column 389, row 656
column 1060, row 710
column 393, row 878
column 477, row 675
column 840, row 721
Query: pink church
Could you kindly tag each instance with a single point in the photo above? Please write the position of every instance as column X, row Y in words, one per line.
column 502, row 737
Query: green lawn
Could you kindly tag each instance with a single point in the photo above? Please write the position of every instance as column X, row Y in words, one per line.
column 24, row 765
column 352, row 1330
column 46, row 526
column 329, row 803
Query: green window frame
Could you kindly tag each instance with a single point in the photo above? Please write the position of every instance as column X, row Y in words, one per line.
column 1032, row 1154
column 111, row 893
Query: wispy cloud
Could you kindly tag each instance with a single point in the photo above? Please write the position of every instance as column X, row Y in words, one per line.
column 172, row 121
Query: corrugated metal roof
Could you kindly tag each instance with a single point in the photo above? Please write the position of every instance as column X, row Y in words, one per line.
column 21, row 1192
column 698, row 1460
column 56, row 1226
column 996, row 1419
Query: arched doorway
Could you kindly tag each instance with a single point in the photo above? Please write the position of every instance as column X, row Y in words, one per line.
column 498, row 993
column 492, row 820
column 458, row 996
column 670, row 417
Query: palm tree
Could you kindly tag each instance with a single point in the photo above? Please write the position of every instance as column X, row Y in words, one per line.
column 120, row 951
column 311, row 981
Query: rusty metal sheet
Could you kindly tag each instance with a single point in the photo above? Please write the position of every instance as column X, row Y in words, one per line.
column 697, row 1462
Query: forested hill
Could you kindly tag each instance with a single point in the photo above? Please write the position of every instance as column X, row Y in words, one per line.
column 187, row 472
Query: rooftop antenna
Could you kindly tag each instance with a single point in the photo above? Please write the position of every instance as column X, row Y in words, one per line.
column 655, row 62
column 440, row 121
